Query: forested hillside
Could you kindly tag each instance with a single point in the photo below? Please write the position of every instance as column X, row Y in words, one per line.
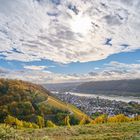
column 27, row 102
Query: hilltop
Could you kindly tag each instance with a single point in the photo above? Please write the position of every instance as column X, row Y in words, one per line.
column 26, row 101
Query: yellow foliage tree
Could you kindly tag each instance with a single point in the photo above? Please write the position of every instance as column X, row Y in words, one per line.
column 10, row 120
column 67, row 121
column 40, row 121
column 101, row 119
column 137, row 118
column 119, row 118
column 50, row 124
column 34, row 125
column 82, row 121
column 18, row 123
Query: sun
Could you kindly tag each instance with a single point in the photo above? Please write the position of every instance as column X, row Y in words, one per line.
column 81, row 24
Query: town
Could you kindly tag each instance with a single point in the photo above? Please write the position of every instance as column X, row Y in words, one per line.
column 92, row 105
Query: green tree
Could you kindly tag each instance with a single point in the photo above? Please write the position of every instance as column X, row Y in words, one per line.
column 74, row 120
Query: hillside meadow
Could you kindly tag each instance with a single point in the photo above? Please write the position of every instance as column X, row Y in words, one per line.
column 109, row 131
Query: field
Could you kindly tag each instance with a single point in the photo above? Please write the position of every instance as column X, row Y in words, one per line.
column 110, row 131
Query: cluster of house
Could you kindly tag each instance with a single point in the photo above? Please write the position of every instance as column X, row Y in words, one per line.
column 91, row 105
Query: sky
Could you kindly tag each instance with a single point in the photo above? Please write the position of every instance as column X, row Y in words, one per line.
column 53, row 41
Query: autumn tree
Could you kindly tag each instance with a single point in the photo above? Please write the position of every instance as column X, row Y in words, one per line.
column 119, row 118
column 101, row 119
column 10, row 120
column 50, row 124
column 67, row 121
column 82, row 121
column 40, row 121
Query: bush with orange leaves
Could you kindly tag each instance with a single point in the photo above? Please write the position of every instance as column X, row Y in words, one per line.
column 114, row 119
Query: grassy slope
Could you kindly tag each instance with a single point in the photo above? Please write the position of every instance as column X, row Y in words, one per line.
column 116, row 131
column 61, row 105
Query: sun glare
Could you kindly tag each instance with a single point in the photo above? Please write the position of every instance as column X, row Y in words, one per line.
column 81, row 24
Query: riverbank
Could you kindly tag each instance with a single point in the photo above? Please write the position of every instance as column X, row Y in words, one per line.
column 91, row 104
column 109, row 97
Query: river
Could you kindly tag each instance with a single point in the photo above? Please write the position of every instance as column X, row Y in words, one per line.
column 109, row 97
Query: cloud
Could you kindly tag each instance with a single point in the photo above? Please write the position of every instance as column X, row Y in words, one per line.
column 68, row 31
column 117, row 66
column 33, row 67
column 116, row 70
column 111, row 71
column 3, row 71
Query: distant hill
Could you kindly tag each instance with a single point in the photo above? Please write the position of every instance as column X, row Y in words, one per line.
column 114, row 87
column 62, row 87
column 26, row 101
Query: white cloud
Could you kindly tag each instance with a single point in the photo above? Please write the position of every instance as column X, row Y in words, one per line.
column 74, row 30
column 33, row 67
column 96, row 68
column 111, row 71
column 122, row 66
